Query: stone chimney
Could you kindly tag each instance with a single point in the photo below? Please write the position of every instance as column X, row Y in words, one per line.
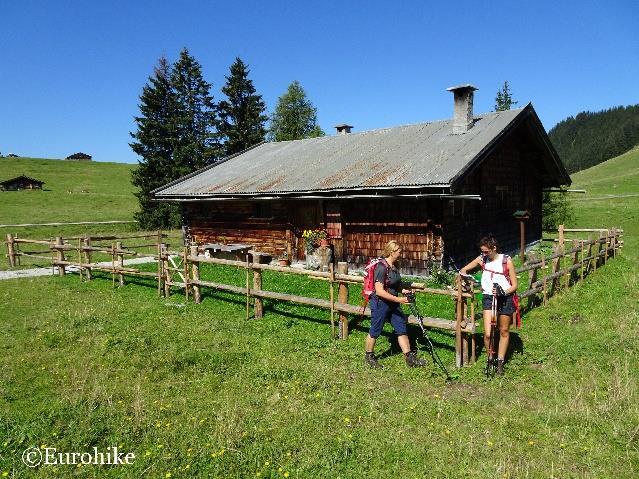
column 343, row 129
column 463, row 115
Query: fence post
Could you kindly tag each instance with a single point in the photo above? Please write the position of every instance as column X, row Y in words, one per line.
column 607, row 246
column 160, row 271
column 575, row 260
column 591, row 244
column 195, row 271
column 581, row 242
column 532, row 278
column 543, row 280
column 614, row 242
column 561, row 248
column 464, row 336
column 86, row 243
column 556, row 266
column 11, row 251
column 342, row 297
column 258, row 306
column 598, row 257
column 168, row 274
column 331, row 281
column 118, row 247
column 60, row 254
column 185, row 269
column 458, row 320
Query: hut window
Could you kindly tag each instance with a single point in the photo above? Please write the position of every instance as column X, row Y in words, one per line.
column 502, row 192
column 263, row 210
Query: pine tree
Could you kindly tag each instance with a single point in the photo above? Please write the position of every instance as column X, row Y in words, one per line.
column 195, row 121
column 154, row 143
column 504, row 100
column 242, row 119
column 295, row 117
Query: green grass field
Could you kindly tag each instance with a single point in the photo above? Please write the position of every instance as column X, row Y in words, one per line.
column 199, row 391
column 73, row 191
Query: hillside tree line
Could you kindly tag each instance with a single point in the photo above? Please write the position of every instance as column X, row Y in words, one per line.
column 590, row 138
column 181, row 128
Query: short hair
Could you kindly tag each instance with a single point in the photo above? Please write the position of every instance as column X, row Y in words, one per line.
column 390, row 247
column 489, row 241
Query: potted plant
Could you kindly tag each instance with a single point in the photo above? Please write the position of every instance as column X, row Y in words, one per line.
column 283, row 260
column 322, row 236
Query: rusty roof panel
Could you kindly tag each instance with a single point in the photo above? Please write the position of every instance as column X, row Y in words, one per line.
column 411, row 155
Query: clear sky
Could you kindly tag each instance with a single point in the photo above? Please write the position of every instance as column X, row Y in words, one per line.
column 71, row 72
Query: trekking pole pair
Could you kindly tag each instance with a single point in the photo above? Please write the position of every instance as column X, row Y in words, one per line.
column 436, row 359
column 491, row 362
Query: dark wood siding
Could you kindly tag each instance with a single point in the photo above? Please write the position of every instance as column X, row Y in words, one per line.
column 508, row 180
column 369, row 224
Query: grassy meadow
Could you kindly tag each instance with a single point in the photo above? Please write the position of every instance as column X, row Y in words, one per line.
column 73, row 191
column 199, row 391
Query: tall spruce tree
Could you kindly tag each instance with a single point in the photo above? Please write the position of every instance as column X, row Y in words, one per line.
column 504, row 99
column 197, row 143
column 242, row 119
column 295, row 117
column 154, row 142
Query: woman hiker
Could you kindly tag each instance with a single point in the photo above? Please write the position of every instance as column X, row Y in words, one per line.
column 496, row 268
column 385, row 304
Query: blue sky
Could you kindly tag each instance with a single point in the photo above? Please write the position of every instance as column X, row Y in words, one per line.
column 71, row 72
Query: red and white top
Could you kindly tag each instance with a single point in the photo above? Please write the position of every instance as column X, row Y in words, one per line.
column 493, row 272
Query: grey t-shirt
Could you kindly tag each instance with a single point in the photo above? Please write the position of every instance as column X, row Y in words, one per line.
column 393, row 283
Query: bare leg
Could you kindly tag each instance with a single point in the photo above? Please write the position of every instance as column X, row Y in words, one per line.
column 504, row 334
column 488, row 314
column 404, row 343
column 370, row 344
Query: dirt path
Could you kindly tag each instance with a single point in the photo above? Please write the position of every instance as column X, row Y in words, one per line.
column 30, row 273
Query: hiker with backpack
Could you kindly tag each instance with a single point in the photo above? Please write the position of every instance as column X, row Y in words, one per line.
column 498, row 281
column 382, row 286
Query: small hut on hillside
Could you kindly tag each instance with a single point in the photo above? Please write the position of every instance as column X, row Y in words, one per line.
column 21, row 182
column 435, row 187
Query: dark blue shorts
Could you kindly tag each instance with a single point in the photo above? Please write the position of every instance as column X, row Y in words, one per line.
column 505, row 304
column 381, row 311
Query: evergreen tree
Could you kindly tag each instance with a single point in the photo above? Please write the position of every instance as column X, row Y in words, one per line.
column 589, row 138
column 242, row 118
column 196, row 142
column 154, row 143
column 504, row 100
column 295, row 117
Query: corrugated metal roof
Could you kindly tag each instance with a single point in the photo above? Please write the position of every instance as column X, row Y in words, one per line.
column 424, row 154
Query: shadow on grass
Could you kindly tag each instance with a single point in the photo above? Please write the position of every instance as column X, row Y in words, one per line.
column 515, row 345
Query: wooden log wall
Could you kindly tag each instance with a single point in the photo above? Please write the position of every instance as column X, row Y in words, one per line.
column 261, row 224
column 369, row 224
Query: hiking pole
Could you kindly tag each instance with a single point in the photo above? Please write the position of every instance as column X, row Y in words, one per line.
column 492, row 343
column 436, row 359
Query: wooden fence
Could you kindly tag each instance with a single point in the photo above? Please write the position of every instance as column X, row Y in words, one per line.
column 181, row 270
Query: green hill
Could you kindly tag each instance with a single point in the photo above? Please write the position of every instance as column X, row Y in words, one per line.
column 73, row 191
column 592, row 137
column 612, row 195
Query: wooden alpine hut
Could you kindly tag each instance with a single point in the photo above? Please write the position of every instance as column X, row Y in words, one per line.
column 21, row 182
column 434, row 187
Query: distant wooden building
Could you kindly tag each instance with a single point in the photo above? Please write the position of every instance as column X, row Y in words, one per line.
column 21, row 182
column 435, row 187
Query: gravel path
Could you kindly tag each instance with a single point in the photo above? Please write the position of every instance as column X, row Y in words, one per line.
column 30, row 273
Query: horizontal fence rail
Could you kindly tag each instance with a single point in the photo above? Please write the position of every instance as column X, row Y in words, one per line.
column 182, row 270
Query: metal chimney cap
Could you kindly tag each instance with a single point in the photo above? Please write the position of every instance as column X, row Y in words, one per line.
column 466, row 86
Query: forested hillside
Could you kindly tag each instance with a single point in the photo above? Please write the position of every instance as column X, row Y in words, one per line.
column 590, row 138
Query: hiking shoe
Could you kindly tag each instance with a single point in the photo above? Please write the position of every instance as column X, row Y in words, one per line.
column 412, row 361
column 500, row 367
column 371, row 360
